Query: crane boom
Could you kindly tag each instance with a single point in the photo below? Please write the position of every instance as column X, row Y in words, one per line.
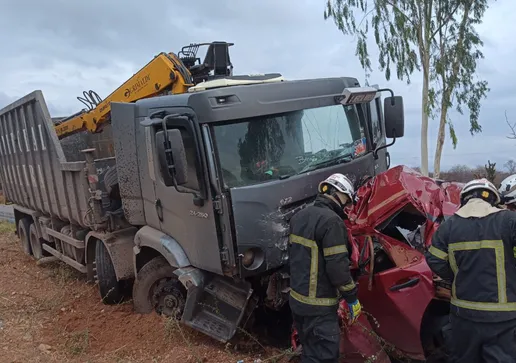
column 166, row 73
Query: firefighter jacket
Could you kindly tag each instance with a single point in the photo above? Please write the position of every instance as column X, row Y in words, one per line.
column 319, row 263
column 474, row 249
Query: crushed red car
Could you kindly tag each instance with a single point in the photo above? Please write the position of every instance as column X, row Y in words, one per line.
column 405, row 306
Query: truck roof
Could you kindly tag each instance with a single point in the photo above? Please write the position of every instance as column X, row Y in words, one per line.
column 244, row 101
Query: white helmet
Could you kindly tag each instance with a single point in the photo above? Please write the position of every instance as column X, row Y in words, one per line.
column 508, row 189
column 339, row 182
column 480, row 184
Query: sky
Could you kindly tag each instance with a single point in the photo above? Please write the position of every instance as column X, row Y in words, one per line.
column 64, row 47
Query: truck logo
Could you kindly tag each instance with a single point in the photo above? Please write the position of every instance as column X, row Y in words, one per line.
column 197, row 214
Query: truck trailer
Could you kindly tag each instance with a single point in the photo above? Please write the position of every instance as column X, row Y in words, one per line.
column 190, row 217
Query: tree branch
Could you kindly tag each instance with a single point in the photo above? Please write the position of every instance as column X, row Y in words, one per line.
column 512, row 127
column 395, row 7
column 448, row 18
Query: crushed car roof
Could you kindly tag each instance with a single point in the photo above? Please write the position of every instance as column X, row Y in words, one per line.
column 406, row 198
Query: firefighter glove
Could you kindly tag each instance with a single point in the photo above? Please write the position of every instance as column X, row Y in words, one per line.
column 355, row 309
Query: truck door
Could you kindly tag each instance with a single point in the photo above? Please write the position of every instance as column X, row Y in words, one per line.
column 184, row 217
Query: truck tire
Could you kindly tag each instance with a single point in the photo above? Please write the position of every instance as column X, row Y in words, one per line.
column 23, row 234
column 35, row 243
column 157, row 274
column 111, row 290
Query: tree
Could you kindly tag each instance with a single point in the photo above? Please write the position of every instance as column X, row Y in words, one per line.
column 512, row 127
column 510, row 165
column 488, row 172
column 436, row 37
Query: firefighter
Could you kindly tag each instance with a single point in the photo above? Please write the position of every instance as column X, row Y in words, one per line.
column 319, row 271
column 508, row 192
column 474, row 249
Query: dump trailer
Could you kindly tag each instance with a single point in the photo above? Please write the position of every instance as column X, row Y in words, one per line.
column 196, row 219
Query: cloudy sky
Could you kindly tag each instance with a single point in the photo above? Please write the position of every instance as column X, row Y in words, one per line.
column 64, row 47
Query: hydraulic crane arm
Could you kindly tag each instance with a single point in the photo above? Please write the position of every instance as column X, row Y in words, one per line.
column 164, row 73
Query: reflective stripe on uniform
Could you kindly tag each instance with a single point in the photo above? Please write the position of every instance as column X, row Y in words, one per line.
column 314, row 261
column 347, row 287
column 313, row 300
column 438, row 253
column 498, row 247
column 484, row 306
column 335, row 250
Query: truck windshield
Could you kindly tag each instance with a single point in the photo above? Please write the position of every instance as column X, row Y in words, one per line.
column 271, row 147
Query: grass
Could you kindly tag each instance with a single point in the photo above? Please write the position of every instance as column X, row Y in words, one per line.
column 7, row 227
column 78, row 342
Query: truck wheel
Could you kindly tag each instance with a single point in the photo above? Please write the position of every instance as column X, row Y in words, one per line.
column 23, row 234
column 35, row 243
column 157, row 288
column 111, row 290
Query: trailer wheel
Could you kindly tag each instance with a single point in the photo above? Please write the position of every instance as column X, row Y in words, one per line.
column 35, row 243
column 157, row 288
column 111, row 290
column 23, row 234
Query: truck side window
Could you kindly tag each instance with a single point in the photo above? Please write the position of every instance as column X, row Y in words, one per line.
column 188, row 141
column 375, row 121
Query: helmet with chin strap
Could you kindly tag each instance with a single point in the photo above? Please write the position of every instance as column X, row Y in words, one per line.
column 482, row 189
column 337, row 183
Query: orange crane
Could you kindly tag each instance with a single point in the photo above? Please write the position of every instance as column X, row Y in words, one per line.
column 167, row 73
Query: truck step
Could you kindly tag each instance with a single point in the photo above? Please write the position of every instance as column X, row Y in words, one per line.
column 216, row 306
column 227, row 293
column 213, row 325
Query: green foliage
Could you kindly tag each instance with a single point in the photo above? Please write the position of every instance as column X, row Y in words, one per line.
column 490, row 171
column 437, row 37
column 393, row 32
column 455, row 56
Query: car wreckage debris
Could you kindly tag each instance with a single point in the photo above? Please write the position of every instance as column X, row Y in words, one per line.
column 390, row 226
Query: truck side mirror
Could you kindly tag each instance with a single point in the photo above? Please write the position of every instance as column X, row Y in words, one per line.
column 172, row 159
column 394, row 116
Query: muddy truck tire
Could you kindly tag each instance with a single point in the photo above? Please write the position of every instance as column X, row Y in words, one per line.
column 35, row 243
column 157, row 288
column 23, row 229
column 111, row 290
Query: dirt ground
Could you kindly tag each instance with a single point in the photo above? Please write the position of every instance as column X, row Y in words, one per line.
column 49, row 314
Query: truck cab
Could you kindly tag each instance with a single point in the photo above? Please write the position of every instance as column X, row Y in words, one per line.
column 212, row 177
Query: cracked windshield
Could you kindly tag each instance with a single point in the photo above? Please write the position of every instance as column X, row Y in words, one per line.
column 278, row 146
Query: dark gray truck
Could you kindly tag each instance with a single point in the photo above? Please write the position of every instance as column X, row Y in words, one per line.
column 191, row 215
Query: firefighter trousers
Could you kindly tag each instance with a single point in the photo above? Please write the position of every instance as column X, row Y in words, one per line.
column 474, row 342
column 319, row 336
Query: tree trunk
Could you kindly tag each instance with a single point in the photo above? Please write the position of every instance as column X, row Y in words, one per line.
column 449, row 84
column 424, row 117
column 441, row 136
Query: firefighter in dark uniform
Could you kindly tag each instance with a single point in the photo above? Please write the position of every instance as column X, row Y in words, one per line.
column 474, row 249
column 508, row 192
column 319, row 271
